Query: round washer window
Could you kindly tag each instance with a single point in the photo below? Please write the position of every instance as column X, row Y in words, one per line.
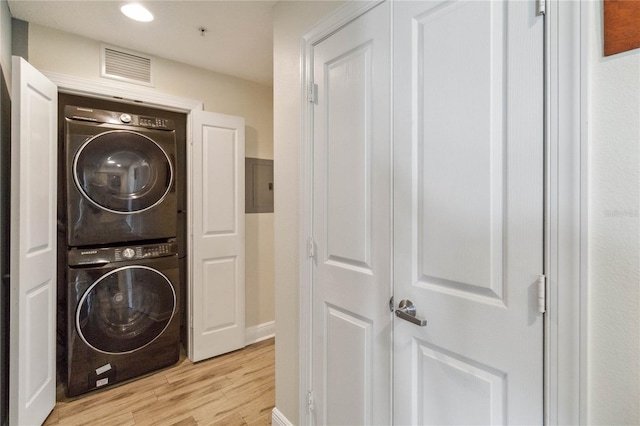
column 126, row 309
column 122, row 171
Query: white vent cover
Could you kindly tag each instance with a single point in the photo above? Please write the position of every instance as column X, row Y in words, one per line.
column 125, row 65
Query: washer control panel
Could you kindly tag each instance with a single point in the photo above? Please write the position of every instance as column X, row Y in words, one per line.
column 104, row 255
column 144, row 252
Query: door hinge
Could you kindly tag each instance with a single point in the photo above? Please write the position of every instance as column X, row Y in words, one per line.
column 311, row 248
column 542, row 7
column 312, row 93
column 310, row 401
column 542, row 294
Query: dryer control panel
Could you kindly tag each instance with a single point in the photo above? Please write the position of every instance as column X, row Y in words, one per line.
column 105, row 255
column 113, row 117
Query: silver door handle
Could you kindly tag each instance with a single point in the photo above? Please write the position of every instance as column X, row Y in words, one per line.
column 407, row 312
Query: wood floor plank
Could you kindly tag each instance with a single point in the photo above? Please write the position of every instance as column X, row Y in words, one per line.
column 122, row 419
column 258, row 411
column 77, row 413
column 231, row 420
column 190, row 387
column 233, row 389
column 189, row 421
column 167, row 413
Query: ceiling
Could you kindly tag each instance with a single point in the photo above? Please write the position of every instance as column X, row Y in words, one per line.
column 237, row 40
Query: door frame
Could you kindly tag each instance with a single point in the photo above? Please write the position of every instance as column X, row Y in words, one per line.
column 566, row 221
column 565, row 235
column 119, row 92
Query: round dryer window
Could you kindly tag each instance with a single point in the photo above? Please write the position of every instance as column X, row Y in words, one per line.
column 122, row 171
column 126, row 309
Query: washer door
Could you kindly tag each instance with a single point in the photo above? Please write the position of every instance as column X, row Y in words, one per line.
column 125, row 310
column 122, row 172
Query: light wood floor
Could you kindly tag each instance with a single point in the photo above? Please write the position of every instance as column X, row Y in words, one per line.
column 232, row 389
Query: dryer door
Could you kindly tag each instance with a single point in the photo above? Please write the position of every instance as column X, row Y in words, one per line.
column 126, row 309
column 122, row 172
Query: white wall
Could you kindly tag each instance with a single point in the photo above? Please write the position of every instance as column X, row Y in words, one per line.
column 259, row 268
column 614, row 231
column 291, row 20
column 56, row 51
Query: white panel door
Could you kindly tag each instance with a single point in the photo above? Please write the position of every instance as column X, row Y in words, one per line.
column 468, row 211
column 351, row 320
column 32, row 357
column 216, row 297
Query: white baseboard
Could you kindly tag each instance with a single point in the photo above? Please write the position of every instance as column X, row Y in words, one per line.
column 278, row 419
column 257, row 333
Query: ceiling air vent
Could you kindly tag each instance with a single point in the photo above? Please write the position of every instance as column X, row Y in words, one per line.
column 125, row 65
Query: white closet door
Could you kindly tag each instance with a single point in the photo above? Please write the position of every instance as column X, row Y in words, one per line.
column 468, row 211
column 217, row 297
column 32, row 357
column 351, row 371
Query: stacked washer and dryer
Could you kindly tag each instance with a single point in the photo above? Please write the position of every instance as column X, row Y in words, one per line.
column 120, row 283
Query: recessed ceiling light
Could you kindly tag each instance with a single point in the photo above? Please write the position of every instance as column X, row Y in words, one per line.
column 137, row 12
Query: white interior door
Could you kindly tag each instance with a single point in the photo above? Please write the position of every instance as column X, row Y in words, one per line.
column 351, row 282
column 32, row 357
column 216, row 307
column 468, row 212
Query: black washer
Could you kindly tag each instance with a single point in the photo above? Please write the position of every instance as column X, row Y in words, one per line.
column 123, row 315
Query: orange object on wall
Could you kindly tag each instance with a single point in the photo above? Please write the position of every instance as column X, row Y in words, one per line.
column 621, row 26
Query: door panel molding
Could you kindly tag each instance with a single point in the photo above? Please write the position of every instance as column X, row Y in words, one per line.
column 354, row 335
column 476, row 189
column 485, row 386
